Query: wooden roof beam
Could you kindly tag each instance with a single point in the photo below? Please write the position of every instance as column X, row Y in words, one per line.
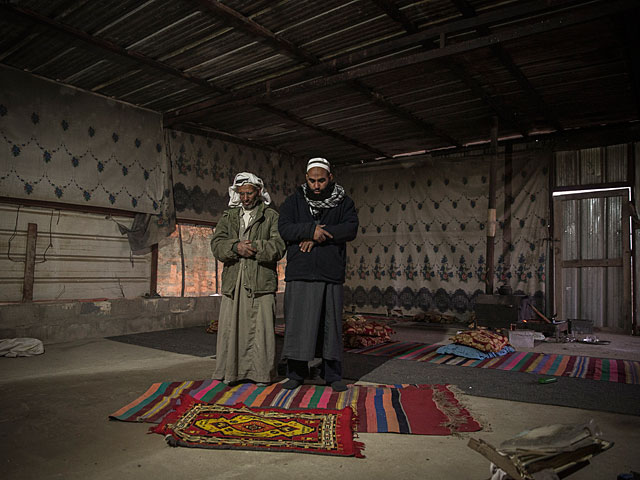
column 282, row 44
column 247, row 25
column 368, row 53
column 32, row 17
column 503, row 56
column 564, row 19
column 279, row 44
column 331, row 133
column 598, row 136
column 505, row 113
column 393, row 12
column 400, row 112
column 227, row 137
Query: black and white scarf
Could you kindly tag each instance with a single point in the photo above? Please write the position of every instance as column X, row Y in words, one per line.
column 316, row 205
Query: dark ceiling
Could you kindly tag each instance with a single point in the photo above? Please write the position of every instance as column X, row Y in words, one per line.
column 349, row 80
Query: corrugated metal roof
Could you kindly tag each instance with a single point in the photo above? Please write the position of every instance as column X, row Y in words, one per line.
column 203, row 63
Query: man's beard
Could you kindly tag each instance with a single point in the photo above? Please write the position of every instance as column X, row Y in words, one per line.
column 322, row 195
column 251, row 206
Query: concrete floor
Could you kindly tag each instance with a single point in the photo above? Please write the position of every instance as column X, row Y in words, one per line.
column 54, row 408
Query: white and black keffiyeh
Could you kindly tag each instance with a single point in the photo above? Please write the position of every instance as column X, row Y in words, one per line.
column 333, row 200
column 246, row 178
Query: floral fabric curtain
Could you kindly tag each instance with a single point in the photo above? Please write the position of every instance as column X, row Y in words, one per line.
column 422, row 239
column 203, row 169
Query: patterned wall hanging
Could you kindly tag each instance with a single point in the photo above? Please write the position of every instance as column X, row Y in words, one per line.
column 422, row 239
column 61, row 144
column 203, row 169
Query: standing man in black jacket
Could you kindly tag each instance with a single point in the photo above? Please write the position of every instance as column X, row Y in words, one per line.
column 316, row 222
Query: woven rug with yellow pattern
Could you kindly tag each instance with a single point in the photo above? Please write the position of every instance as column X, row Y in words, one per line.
column 203, row 425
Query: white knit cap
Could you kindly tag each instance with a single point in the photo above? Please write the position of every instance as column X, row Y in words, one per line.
column 246, row 178
column 319, row 162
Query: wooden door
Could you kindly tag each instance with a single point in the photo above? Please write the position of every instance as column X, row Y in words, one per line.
column 593, row 258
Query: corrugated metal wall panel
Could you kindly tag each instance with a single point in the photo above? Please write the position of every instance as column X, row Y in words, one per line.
column 614, row 227
column 566, row 168
column 88, row 257
column 614, row 315
column 636, row 286
column 616, row 163
column 570, row 224
column 593, row 293
column 570, row 292
column 592, row 165
column 591, row 228
column 592, row 301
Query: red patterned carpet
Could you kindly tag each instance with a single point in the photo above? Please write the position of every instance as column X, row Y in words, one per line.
column 204, row 425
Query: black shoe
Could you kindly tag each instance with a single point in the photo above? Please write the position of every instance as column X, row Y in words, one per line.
column 291, row 384
column 339, row 386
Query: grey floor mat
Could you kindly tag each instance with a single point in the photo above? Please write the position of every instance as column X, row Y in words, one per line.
column 188, row 341
column 515, row 386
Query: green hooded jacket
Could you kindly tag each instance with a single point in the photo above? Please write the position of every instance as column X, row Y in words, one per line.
column 261, row 275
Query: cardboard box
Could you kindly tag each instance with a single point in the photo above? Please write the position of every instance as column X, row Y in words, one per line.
column 521, row 338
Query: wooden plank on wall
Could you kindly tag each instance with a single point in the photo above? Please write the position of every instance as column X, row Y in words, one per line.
column 626, row 267
column 557, row 256
column 88, row 259
column 153, row 285
column 585, row 263
column 30, row 262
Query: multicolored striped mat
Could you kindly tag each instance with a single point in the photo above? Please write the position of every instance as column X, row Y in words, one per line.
column 607, row 369
column 414, row 409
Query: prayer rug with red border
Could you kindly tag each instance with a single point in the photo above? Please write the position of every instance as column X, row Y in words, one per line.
column 203, row 425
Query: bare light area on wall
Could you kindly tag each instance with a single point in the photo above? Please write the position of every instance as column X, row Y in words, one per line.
column 202, row 272
column 200, row 277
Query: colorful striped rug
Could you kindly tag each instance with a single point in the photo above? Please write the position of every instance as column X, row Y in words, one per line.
column 414, row 409
column 607, row 369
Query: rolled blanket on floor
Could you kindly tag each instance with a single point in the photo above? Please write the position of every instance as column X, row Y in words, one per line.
column 20, row 347
column 470, row 352
column 483, row 340
column 358, row 332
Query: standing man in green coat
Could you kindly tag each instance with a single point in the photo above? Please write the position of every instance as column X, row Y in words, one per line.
column 247, row 241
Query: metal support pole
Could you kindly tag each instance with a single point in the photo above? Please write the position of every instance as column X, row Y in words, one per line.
column 491, row 217
column 153, row 286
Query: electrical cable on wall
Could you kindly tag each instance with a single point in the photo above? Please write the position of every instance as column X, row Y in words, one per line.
column 15, row 231
column 44, row 255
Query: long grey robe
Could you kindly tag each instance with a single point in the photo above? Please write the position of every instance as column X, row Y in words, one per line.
column 245, row 346
column 313, row 324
